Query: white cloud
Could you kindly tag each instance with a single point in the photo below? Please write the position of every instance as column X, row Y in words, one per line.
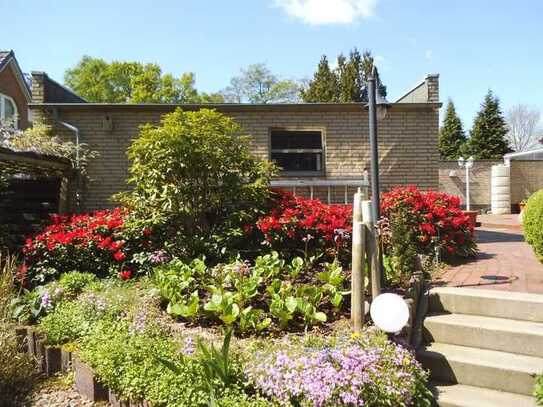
column 428, row 54
column 317, row 12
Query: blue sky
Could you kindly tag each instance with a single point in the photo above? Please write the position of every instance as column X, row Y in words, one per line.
column 474, row 45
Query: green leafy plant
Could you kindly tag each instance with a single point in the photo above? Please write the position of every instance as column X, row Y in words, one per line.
column 217, row 365
column 533, row 223
column 249, row 298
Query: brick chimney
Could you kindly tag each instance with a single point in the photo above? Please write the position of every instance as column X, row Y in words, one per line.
column 432, row 82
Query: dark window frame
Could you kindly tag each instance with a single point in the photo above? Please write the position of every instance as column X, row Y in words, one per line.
column 321, row 151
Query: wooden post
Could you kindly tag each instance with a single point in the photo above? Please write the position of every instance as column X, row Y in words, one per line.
column 357, row 275
column 372, row 252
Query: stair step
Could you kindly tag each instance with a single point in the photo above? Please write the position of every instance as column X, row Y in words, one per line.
column 490, row 303
column 506, row 335
column 481, row 367
column 461, row 395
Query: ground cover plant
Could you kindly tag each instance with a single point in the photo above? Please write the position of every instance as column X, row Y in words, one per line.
column 364, row 369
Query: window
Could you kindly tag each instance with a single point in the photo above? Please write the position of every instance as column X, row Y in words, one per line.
column 298, row 152
column 8, row 110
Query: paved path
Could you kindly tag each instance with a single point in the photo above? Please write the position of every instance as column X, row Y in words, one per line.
column 505, row 261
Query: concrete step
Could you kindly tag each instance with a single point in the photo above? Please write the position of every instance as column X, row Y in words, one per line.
column 461, row 395
column 490, row 303
column 506, row 335
column 481, row 367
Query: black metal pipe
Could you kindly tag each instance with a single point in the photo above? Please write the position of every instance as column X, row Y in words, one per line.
column 372, row 108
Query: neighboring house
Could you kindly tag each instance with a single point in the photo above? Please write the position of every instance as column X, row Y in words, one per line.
column 323, row 147
column 15, row 93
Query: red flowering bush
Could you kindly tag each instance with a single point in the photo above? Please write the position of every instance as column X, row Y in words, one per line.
column 297, row 226
column 88, row 243
column 434, row 220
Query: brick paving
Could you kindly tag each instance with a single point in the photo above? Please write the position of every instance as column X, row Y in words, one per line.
column 504, row 262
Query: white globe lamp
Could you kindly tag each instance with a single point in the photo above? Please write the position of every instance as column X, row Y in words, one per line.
column 389, row 312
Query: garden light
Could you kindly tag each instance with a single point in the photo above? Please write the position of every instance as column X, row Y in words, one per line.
column 467, row 164
column 389, row 312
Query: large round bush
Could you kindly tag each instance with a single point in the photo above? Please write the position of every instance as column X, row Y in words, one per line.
column 196, row 182
column 533, row 223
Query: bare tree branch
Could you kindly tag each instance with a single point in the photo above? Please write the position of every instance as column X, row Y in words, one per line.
column 525, row 128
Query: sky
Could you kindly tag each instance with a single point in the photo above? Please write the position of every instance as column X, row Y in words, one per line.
column 474, row 45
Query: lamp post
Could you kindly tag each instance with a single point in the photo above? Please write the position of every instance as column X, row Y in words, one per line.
column 377, row 108
column 467, row 164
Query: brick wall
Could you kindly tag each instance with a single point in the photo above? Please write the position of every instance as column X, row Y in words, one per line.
column 479, row 181
column 526, row 178
column 407, row 140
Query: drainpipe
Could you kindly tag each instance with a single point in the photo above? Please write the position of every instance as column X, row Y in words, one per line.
column 71, row 127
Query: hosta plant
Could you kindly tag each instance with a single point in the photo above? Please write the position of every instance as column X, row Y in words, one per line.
column 253, row 297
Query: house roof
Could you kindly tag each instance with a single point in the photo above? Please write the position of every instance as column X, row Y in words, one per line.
column 535, row 155
column 232, row 107
column 7, row 58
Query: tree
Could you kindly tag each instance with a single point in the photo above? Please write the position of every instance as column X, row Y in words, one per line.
column 488, row 137
column 324, row 85
column 347, row 83
column 256, row 84
column 451, row 136
column 188, row 175
column 524, row 128
column 130, row 82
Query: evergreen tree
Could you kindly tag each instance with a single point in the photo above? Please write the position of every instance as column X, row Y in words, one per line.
column 367, row 67
column 451, row 136
column 488, row 137
column 347, row 83
column 324, row 85
column 350, row 77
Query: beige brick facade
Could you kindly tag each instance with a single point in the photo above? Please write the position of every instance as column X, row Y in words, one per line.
column 408, row 149
column 407, row 141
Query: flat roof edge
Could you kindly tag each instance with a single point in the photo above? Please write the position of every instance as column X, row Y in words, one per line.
column 231, row 106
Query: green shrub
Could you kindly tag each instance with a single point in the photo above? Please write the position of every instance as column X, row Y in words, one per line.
column 17, row 369
column 538, row 392
column 533, row 222
column 196, row 183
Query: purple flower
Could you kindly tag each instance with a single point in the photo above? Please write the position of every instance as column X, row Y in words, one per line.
column 46, row 301
column 159, row 256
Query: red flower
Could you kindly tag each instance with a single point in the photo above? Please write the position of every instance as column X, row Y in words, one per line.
column 125, row 274
column 119, row 256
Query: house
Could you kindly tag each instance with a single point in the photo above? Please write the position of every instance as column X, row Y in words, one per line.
column 15, row 94
column 323, row 148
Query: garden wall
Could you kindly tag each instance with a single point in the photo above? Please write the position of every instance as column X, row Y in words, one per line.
column 526, row 178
